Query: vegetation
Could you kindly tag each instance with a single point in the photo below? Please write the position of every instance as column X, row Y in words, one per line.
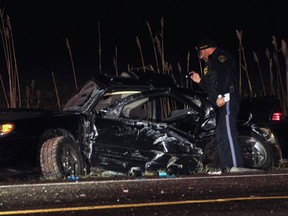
column 13, row 95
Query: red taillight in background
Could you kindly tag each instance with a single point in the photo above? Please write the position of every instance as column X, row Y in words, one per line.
column 277, row 116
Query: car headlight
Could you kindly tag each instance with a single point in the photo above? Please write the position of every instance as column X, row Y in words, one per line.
column 6, row 128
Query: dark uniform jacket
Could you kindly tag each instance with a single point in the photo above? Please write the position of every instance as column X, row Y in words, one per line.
column 220, row 75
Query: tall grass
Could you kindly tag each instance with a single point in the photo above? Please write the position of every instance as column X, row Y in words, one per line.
column 14, row 99
column 243, row 65
column 72, row 63
column 256, row 59
column 276, row 86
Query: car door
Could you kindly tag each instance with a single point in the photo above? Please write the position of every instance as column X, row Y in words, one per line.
column 155, row 138
column 115, row 134
column 137, row 116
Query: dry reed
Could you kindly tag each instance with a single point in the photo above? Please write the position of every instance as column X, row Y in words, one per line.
column 141, row 53
column 243, row 63
column 271, row 76
column 99, row 48
column 280, row 89
column 154, row 48
column 56, row 91
column 11, row 63
column 115, row 61
column 260, row 71
column 72, row 63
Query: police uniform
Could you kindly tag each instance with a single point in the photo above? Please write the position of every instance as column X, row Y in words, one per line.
column 220, row 78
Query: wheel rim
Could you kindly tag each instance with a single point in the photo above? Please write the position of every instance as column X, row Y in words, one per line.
column 70, row 161
column 253, row 152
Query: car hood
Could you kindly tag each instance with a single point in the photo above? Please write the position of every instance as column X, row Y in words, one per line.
column 23, row 113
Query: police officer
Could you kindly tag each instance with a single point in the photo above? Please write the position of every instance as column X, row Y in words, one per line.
column 220, row 83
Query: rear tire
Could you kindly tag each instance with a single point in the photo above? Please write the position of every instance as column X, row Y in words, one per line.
column 60, row 158
column 255, row 151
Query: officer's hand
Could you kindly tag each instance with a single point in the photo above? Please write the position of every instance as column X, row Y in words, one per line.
column 220, row 102
column 195, row 76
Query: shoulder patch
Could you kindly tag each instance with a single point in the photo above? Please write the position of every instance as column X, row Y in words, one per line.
column 222, row 58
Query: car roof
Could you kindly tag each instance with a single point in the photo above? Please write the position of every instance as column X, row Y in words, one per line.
column 129, row 81
column 148, row 79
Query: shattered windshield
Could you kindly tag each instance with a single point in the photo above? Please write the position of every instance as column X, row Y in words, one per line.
column 88, row 91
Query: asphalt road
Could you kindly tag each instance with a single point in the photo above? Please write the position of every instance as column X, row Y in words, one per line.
column 229, row 194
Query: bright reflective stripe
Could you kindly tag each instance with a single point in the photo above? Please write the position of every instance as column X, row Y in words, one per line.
column 228, row 128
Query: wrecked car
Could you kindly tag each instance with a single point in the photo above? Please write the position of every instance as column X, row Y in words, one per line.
column 132, row 126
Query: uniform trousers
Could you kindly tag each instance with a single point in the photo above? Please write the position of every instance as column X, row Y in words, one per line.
column 227, row 133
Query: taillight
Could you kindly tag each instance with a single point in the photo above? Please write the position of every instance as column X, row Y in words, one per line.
column 277, row 116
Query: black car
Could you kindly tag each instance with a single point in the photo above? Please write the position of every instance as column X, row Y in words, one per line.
column 140, row 125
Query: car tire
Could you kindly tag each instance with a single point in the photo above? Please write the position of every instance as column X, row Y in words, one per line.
column 255, row 151
column 60, row 158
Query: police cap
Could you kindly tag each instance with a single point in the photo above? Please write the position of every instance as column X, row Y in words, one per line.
column 206, row 43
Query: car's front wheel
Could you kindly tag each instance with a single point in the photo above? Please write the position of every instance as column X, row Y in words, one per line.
column 255, row 151
column 60, row 158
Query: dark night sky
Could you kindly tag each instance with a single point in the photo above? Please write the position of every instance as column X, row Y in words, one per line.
column 40, row 29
